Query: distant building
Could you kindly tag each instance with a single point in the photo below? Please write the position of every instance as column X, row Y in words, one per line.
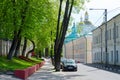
column 113, row 42
column 73, row 35
column 78, row 44
column 4, row 47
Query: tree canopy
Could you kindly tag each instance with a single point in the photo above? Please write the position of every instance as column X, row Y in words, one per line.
column 32, row 19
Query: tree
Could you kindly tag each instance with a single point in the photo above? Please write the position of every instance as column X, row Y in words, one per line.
column 30, row 20
column 24, row 46
column 17, row 34
column 62, row 28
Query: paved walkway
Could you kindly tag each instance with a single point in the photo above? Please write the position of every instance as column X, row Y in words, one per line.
column 46, row 73
column 8, row 77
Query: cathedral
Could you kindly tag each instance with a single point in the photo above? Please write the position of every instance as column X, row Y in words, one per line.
column 78, row 44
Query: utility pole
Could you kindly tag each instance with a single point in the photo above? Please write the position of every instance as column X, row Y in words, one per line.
column 106, row 37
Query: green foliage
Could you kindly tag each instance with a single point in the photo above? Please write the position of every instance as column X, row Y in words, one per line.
column 5, row 21
column 40, row 20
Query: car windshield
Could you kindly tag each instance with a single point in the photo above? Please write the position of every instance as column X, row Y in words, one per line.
column 70, row 62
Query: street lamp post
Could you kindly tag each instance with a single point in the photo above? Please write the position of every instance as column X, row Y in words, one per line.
column 105, row 15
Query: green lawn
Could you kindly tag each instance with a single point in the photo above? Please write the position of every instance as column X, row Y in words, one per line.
column 16, row 63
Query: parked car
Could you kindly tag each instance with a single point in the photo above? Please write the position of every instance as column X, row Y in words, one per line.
column 69, row 64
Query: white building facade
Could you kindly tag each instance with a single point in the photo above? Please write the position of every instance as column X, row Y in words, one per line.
column 4, row 47
column 112, row 55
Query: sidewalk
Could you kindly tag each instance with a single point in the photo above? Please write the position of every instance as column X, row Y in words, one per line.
column 46, row 73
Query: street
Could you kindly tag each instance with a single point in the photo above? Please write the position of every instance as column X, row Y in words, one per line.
column 84, row 73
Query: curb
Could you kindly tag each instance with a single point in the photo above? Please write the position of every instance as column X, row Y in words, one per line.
column 24, row 73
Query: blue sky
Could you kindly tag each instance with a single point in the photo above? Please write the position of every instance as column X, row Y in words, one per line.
column 96, row 16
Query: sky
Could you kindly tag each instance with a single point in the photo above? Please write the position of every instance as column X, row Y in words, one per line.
column 96, row 16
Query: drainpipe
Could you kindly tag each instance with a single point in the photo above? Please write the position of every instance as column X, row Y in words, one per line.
column 85, row 47
column 73, row 48
column 101, row 43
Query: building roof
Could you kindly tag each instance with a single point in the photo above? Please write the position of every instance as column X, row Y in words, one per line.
column 107, row 22
column 84, row 28
column 86, row 25
column 73, row 35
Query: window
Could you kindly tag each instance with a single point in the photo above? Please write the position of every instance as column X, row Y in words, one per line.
column 95, row 56
column 104, row 56
column 117, row 32
column 110, row 34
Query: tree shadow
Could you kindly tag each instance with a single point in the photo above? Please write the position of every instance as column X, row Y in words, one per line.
column 51, row 75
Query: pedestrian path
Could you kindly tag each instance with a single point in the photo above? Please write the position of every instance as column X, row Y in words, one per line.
column 46, row 72
column 8, row 77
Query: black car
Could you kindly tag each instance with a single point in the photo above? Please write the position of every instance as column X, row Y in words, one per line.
column 69, row 64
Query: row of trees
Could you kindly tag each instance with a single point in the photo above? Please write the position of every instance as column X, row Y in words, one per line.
column 34, row 20
column 23, row 20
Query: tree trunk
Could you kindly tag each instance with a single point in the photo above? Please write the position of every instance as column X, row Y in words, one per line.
column 56, row 59
column 14, row 42
column 51, row 55
column 12, row 48
column 17, row 47
column 46, row 52
column 32, row 50
column 39, row 54
column 17, row 35
column 24, row 46
column 61, row 37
